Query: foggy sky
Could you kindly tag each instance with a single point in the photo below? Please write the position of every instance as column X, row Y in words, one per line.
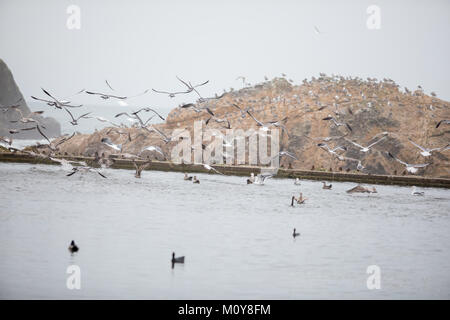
column 143, row 44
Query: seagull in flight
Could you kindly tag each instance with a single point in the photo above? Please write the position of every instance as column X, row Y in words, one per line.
column 442, row 121
column 84, row 169
column 54, row 146
column 332, row 151
column 338, row 124
column 147, row 109
column 58, row 104
column 265, row 126
column 209, row 168
column 261, row 178
column 74, row 121
column 365, row 149
column 107, row 141
column 106, row 96
column 412, row 168
column 139, row 168
column 243, row 112
column 317, row 31
column 27, row 119
column 154, row 148
column 285, row 153
column 425, row 151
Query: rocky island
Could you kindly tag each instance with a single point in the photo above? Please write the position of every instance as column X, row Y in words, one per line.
column 370, row 107
column 10, row 95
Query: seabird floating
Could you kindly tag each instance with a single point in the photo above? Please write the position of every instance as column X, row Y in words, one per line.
column 417, row 193
column 360, row 189
column 73, row 247
column 325, row 186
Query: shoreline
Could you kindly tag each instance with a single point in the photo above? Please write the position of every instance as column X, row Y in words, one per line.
column 246, row 170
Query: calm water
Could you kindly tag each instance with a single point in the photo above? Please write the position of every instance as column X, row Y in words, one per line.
column 236, row 237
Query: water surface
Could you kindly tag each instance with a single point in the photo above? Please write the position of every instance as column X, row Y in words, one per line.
column 237, row 238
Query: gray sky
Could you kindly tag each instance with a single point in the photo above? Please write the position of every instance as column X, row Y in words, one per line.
column 143, row 44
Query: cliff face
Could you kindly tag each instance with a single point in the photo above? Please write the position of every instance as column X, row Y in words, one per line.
column 10, row 95
column 370, row 107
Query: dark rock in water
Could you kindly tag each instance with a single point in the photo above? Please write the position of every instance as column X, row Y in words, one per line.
column 10, row 95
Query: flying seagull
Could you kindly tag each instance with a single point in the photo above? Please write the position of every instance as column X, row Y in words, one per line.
column 260, row 178
column 74, row 121
column 412, row 168
column 209, row 168
column 425, row 151
column 147, row 109
column 338, row 124
column 139, row 168
column 84, row 169
column 442, row 121
column 27, row 119
column 154, row 148
column 285, row 153
column 106, row 96
column 365, row 149
column 110, row 144
column 332, row 151
column 56, row 102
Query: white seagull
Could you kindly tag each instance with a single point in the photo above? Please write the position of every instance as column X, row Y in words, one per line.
column 110, row 144
column 412, row 168
column 425, row 151
column 362, row 148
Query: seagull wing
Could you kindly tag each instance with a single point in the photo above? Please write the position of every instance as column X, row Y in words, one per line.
column 356, row 144
column 107, row 83
column 42, row 134
column 420, row 147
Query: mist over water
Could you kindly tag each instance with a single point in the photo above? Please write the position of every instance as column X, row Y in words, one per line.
column 237, row 238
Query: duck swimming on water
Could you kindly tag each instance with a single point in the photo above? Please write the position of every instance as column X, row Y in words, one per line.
column 73, row 247
column 251, row 179
column 295, row 234
column 417, row 193
column 186, row 177
column 195, row 180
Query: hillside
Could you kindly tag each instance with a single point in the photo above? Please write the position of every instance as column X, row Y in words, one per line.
column 10, row 95
column 370, row 107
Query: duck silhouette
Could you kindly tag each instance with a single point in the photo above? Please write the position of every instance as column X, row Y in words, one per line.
column 73, row 247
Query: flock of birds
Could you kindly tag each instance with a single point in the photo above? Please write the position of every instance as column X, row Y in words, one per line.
column 139, row 122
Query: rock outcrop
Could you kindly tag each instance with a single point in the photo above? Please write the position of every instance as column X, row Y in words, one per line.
column 370, row 107
column 10, row 95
